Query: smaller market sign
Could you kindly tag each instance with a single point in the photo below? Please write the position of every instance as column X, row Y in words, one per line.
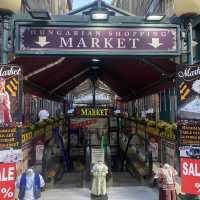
column 93, row 112
column 190, row 176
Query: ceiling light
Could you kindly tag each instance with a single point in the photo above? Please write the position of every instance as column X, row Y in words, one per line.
column 155, row 17
column 40, row 14
column 95, row 60
column 99, row 15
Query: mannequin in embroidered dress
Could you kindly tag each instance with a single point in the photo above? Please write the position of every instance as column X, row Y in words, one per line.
column 5, row 115
column 99, row 172
column 167, row 184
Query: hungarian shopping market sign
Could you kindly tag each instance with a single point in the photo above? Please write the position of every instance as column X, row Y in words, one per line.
column 7, row 181
column 190, row 176
column 87, row 40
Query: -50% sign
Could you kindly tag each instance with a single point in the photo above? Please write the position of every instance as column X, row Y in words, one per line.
column 7, row 181
column 197, row 186
column 6, row 192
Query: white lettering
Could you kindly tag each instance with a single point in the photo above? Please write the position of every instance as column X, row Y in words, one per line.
column 64, row 43
column 185, row 168
column 133, row 44
column 11, row 174
column 82, row 43
column 108, row 43
column 121, row 43
column 95, row 43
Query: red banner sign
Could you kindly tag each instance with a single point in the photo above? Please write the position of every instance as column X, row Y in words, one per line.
column 190, row 176
column 7, row 181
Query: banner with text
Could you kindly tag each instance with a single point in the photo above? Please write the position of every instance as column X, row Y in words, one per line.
column 190, row 176
column 75, row 39
column 7, row 181
column 9, row 105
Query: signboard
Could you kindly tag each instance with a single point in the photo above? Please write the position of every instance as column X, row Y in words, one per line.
column 7, row 181
column 39, row 148
column 93, row 112
column 9, row 106
column 190, row 152
column 82, row 123
column 188, row 114
column 190, row 176
column 98, row 155
column 188, row 90
column 189, row 131
column 11, row 156
column 73, row 39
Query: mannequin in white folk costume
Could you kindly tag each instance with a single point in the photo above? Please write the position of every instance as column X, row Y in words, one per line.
column 99, row 172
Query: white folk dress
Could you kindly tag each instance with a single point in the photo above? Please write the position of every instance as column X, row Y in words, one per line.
column 99, row 171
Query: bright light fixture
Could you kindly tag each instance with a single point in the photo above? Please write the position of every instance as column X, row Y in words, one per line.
column 95, row 60
column 155, row 17
column 40, row 14
column 99, row 15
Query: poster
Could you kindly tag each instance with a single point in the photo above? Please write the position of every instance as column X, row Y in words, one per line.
column 98, row 155
column 189, row 132
column 39, row 148
column 190, row 176
column 9, row 105
column 190, row 152
column 154, row 146
column 188, row 90
column 7, row 181
column 11, row 156
column 170, row 152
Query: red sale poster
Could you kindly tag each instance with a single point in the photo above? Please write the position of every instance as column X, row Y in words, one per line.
column 190, row 176
column 7, row 181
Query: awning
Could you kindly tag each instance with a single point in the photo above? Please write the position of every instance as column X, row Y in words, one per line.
column 128, row 77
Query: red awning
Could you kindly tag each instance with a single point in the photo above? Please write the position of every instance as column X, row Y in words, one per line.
column 128, row 77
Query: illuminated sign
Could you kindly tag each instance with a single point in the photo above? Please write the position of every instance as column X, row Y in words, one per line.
column 93, row 112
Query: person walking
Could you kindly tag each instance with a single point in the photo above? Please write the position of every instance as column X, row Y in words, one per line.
column 166, row 177
column 30, row 185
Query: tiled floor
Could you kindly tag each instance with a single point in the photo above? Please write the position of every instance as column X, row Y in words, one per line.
column 114, row 193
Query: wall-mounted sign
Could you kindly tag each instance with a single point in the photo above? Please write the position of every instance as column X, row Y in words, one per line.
column 190, row 176
column 73, row 39
column 11, row 156
column 93, row 112
column 188, row 90
column 190, row 152
column 9, row 104
column 98, row 155
column 8, row 137
column 189, row 132
column 7, row 181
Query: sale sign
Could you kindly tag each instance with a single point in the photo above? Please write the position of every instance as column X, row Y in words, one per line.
column 190, row 176
column 7, row 181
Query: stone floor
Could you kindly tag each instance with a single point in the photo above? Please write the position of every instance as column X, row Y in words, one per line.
column 114, row 193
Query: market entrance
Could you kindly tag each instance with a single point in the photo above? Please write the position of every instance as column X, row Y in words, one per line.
column 127, row 54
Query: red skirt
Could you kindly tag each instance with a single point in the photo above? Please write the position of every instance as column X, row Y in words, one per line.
column 165, row 194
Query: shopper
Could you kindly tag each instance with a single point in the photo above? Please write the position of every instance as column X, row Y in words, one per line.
column 30, row 185
column 167, row 184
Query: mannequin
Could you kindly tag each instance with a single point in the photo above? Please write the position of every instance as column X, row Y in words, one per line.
column 99, row 172
column 167, row 183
